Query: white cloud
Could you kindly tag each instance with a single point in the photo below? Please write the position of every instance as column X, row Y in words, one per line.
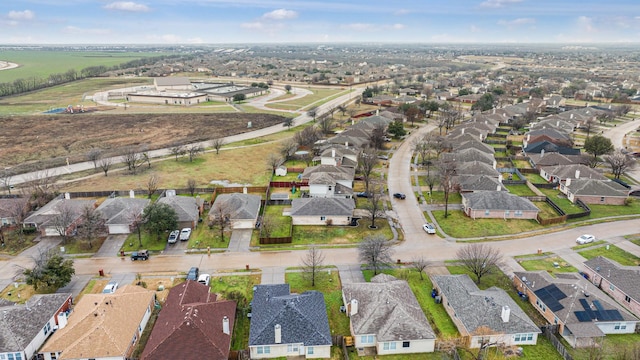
column 585, row 23
column 358, row 27
column 517, row 22
column 21, row 15
column 195, row 40
column 127, row 6
column 497, row 3
column 76, row 30
column 280, row 14
column 395, row 27
column 256, row 25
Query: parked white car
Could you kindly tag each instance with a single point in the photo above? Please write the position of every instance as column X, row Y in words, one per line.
column 185, row 234
column 585, row 239
column 204, row 279
column 429, row 228
column 110, row 288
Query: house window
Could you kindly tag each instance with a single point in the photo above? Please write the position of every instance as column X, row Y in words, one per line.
column 506, row 213
column 263, row 350
column 10, row 357
column 555, row 320
column 616, row 326
column 627, row 299
column 530, row 337
column 54, row 356
column 46, row 329
column 518, row 212
column 292, row 348
column 602, row 199
column 406, row 344
column 611, row 287
column 487, row 212
column 389, row 346
column 366, row 339
column 323, row 218
column 309, row 350
column 541, row 305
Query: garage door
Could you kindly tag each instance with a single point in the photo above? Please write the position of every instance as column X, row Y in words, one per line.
column 243, row 224
column 51, row 232
column 119, row 229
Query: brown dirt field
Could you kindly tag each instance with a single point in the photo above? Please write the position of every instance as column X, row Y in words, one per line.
column 53, row 138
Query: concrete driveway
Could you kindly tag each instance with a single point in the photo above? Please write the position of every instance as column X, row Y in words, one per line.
column 111, row 246
column 350, row 274
column 240, row 240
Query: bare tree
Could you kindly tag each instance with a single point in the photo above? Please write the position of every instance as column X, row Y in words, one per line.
column 288, row 148
column 221, row 212
column 94, row 155
column 132, row 158
column 374, row 203
column 191, row 186
column 217, row 144
column 447, row 182
column 288, row 122
column 63, row 220
column 273, row 161
column 419, row 264
column 307, row 136
column 18, row 209
column 152, row 185
column 376, row 252
column 619, row 162
column 267, row 226
column 5, row 178
column 376, row 137
column 326, row 124
column 431, row 180
column 588, row 125
column 312, row 264
column 421, row 147
column 313, row 112
column 194, row 150
column 479, row 259
column 342, row 109
column 366, row 163
column 177, row 150
column 42, row 187
column 105, row 164
column 92, row 224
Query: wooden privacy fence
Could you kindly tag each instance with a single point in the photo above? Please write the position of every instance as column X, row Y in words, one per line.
column 549, row 332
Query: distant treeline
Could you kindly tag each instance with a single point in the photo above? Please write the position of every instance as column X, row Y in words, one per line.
column 20, row 86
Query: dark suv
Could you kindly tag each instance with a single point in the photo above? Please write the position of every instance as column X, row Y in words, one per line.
column 140, row 255
column 400, row 196
column 193, row 273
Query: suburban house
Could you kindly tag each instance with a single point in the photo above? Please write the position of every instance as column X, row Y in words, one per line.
column 471, row 183
column 594, row 191
column 549, row 147
column 469, row 155
column 542, row 159
column 322, row 211
column 8, row 209
column 618, row 281
column 582, row 312
column 193, row 324
column 476, row 168
column 555, row 102
column 386, row 317
column 497, row 205
column 285, row 324
column 558, row 174
column 24, row 328
column 102, row 326
column 186, row 208
column 120, row 213
column 475, row 144
column 59, row 216
column 555, row 136
column 484, row 316
column 242, row 210
column 338, row 155
column 554, row 122
column 329, row 180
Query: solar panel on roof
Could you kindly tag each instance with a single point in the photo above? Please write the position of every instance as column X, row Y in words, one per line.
column 614, row 315
column 601, row 313
column 548, row 299
column 587, row 308
column 556, row 292
column 582, row 316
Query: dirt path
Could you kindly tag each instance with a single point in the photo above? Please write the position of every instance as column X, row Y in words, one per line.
column 5, row 65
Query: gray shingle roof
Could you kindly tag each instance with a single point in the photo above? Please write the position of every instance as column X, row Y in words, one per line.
column 476, row 168
column 551, row 159
column 388, row 308
column 476, row 308
column 46, row 214
column 468, row 155
column 497, row 200
column 625, row 278
column 20, row 324
column 322, row 207
column 122, row 210
column 475, row 144
column 569, row 171
column 302, row 317
column 344, row 172
column 240, row 206
column 597, row 187
column 185, row 207
column 480, row 183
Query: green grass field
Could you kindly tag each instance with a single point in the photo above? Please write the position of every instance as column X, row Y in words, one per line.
column 614, row 253
column 460, row 226
column 547, row 264
column 41, row 64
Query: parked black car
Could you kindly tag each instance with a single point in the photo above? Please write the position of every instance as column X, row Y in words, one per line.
column 400, row 196
column 193, row 273
column 140, row 255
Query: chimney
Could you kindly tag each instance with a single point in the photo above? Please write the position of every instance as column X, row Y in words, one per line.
column 354, row 307
column 346, row 144
column 571, row 116
column 500, row 179
column 541, row 153
column 506, row 311
column 462, row 131
column 377, row 112
column 495, row 163
column 494, row 110
column 225, row 325
column 558, row 123
column 132, row 194
column 577, row 174
column 567, row 182
column 278, row 331
column 353, row 121
column 333, row 153
column 67, row 196
column 62, row 320
column 498, row 187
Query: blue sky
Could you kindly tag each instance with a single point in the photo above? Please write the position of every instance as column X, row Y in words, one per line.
column 318, row 21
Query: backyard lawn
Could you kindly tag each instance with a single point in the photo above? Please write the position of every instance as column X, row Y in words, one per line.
column 546, row 211
column 551, row 264
column 243, row 284
column 281, row 225
column 520, row 190
column 437, row 197
column 147, row 241
column 561, row 200
column 614, row 253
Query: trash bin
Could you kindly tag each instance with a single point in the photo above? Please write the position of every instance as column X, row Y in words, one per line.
column 121, row 252
column 101, row 272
